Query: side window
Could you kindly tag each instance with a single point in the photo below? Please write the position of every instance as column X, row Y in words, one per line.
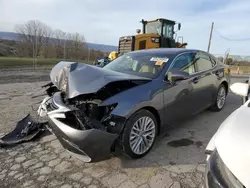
column 214, row 60
column 203, row 62
column 168, row 30
column 185, row 63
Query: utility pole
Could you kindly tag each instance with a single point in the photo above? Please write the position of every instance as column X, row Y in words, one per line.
column 226, row 56
column 210, row 37
column 36, row 54
column 88, row 54
column 33, row 54
column 64, row 50
column 64, row 46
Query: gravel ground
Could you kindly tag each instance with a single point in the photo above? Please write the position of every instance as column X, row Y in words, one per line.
column 23, row 76
column 44, row 163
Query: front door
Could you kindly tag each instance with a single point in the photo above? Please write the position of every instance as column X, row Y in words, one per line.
column 180, row 97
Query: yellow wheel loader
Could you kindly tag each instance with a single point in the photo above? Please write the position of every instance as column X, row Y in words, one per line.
column 113, row 55
column 157, row 33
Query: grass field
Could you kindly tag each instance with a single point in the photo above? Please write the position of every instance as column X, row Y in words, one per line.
column 12, row 62
column 42, row 63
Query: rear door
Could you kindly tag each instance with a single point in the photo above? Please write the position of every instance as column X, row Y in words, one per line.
column 204, row 80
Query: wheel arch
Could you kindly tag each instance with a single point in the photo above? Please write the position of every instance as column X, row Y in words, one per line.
column 156, row 115
column 146, row 110
column 226, row 85
column 213, row 106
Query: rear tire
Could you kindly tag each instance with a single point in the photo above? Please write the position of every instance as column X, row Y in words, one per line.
column 220, row 100
column 139, row 134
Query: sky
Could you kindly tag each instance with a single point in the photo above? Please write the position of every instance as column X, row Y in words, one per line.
column 104, row 21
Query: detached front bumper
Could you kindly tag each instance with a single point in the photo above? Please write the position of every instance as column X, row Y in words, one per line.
column 91, row 144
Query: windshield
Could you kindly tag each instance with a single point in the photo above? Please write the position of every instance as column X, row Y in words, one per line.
column 153, row 27
column 144, row 65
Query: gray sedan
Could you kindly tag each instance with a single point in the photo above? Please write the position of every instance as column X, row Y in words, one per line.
column 128, row 102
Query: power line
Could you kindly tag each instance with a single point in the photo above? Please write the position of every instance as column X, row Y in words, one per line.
column 228, row 39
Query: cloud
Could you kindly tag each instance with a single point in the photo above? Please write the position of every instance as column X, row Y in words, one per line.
column 104, row 21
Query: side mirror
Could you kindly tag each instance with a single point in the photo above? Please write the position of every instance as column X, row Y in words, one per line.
column 240, row 89
column 176, row 75
column 179, row 26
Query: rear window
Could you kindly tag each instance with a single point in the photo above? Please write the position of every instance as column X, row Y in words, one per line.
column 203, row 62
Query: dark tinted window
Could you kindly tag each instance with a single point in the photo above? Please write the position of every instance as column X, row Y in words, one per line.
column 185, row 63
column 203, row 61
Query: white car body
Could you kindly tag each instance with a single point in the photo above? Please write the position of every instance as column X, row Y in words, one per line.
column 232, row 139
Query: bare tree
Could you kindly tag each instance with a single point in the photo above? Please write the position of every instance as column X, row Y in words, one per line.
column 60, row 40
column 38, row 39
column 35, row 34
column 76, row 46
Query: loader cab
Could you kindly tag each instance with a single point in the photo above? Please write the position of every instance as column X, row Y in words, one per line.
column 162, row 27
column 157, row 33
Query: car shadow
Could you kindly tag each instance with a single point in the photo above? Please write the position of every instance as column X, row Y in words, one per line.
column 185, row 143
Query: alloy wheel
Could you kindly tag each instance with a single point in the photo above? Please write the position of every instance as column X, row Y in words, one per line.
column 142, row 135
column 221, row 97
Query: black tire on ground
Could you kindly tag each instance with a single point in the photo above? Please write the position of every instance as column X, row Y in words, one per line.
column 127, row 130
column 215, row 107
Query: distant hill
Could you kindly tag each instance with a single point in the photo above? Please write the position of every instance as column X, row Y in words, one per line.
column 92, row 46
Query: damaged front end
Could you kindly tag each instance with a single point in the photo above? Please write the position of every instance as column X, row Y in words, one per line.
column 83, row 127
column 75, row 115
column 75, row 110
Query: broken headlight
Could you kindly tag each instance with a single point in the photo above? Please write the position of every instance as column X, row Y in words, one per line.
column 108, row 110
column 114, row 123
column 111, row 107
column 94, row 111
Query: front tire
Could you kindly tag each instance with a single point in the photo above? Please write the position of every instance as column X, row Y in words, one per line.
column 220, row 100
column 139, row 134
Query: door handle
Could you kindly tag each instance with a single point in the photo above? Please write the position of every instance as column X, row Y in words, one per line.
column 196, row 80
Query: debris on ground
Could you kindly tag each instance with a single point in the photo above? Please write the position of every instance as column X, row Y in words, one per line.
column 25, row 130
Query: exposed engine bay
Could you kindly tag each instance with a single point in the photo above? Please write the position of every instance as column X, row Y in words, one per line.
column 86, row 112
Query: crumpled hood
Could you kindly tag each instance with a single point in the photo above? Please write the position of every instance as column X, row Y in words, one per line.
column 232, row 141
column 80, row 78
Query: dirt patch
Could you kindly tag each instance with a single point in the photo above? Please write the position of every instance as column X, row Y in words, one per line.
column 181, row 142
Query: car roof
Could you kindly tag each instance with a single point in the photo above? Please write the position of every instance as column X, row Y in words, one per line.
column 167, row 51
